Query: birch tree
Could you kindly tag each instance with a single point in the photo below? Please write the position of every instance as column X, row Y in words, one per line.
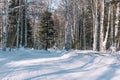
column 5, row 26
column 102, row 25
column 94, row 6
column 117, row 17
column 108, row 28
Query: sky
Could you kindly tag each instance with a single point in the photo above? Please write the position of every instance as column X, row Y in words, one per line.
column 55, row 3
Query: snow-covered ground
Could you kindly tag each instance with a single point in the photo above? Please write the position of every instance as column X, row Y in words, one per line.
column 28, row 64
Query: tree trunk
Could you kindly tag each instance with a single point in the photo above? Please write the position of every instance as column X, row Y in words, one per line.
column 5, row 26
column 117, row 22
column 101, row 25
column 26, row 23
column 94, row 6
column 108, row 27
column 112, row 30
column 67, row 27
column 21, row 28
column 18, row 27
column 84, row 30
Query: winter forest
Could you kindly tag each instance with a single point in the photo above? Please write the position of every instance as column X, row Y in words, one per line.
column 65, row 24
column 46, row 39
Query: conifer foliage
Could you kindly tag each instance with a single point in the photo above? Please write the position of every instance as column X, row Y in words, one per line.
column 47, row 32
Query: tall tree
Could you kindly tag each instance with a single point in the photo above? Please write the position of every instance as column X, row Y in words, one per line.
column 117, row 21
column 102, row 25
column 68, row 26
column 47, row 31
column 94, row 6
column 6, row 25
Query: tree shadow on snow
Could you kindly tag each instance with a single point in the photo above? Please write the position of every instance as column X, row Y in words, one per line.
column 73, row 70
column 110, row 73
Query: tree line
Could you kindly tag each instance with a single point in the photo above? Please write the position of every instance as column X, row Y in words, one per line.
column 74, row 24
column 92, row 24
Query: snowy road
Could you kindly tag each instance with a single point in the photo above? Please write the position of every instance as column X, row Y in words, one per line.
column 42, row 65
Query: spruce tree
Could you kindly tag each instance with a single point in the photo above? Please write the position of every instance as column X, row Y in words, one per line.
column 47, row 32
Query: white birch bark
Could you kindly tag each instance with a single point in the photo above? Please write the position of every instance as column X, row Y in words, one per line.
column 108, row 26
column 117, row 21
column 5, row 26
column 101, row 25
column 117, row 18
column 94, row 5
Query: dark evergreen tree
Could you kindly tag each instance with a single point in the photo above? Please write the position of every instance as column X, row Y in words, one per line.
column 47, row 32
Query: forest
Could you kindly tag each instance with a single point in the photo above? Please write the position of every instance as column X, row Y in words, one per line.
column 59, row 39
column 64, row 24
